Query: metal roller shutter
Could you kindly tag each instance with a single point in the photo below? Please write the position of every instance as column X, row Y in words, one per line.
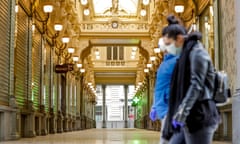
column 36, row 68
column 55, row 93
column 4, row 50
column 47, row 77
column 21, row 58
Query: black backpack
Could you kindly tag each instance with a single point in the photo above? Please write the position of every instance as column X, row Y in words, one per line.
column 222, row 92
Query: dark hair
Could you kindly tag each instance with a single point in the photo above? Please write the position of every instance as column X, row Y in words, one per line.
column 174, row 28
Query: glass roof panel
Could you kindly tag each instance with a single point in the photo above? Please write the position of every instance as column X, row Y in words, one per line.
column 102, row 6
column 130, row 6
column 120, row 7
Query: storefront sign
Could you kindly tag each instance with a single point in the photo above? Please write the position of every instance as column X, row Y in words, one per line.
column 63, row 68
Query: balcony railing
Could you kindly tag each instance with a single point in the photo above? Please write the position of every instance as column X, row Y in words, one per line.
column 116, row 63
column 107, row 27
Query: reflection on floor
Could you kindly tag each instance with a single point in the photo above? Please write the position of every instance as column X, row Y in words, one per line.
column 97, row 136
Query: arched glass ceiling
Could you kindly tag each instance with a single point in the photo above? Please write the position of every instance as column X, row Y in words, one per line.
column 119, row 7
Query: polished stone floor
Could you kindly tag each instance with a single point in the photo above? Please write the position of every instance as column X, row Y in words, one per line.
column 97, row 136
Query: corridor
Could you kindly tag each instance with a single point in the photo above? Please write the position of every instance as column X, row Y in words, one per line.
column 97, row 136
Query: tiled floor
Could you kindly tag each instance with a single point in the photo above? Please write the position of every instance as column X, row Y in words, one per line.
column 97, row 136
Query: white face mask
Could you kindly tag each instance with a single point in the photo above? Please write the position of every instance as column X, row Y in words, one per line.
column 162, row 45
column 172, row 49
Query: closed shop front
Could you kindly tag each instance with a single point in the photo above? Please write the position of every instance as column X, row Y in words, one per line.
column 36, row 68
column 21, row 56
column 5, row 48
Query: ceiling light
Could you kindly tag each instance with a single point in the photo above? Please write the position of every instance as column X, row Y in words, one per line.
column 65, row 39
column 98, row 57
column 71, row 50
column 140, row 83
column 48, row 8
column 149, row 65
column 133, row 53
column 143, row 12
column 33, row 27
column 157, row 50
column 194, row 27
column 97, row 52
column 211, row 11
column 152, row 58
column 132, row 57
column 86, row 12
column 16, row 8
column 58, row 27
column 89, row 84
column 79, row 65
column 134, row 48
column 145, row 2
column 82, row 70
column 146, row 70
column 75, row 58
column 84, row 2
column 179, row 8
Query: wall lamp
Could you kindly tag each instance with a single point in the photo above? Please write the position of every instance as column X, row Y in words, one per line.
column 179, row 6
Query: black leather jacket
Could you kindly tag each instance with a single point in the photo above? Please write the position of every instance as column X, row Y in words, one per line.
column 201, row 85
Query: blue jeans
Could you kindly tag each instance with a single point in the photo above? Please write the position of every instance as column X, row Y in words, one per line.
column 202, row 136
column 178, row 138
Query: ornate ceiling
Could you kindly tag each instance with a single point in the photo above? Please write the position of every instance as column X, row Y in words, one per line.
column 91, row 23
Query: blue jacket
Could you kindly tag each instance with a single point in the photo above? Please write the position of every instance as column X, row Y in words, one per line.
column 162, row 86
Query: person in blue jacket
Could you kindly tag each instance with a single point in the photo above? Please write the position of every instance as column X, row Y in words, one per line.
column 162, row 87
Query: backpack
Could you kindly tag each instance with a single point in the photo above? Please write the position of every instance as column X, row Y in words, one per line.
column 222, row 92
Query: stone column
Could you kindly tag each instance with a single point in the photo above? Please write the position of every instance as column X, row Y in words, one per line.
column 236, row 97
column 104, row 106
column 78, row 118
column 126, row 106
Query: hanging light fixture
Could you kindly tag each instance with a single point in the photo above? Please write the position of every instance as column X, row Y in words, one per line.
column 179, row 6
column 157, row 50
column 71, row 50
column 82, row 70
column 143, row 12
column 133, row 53
column 146, row 70
column 152, row 58
column 75, row 58
column 211, row 10
column 79, row 65
column 140, row 83
column 145, row 2
column 16, row 8
column 89, row 83
column 58, row 27
column 84, row 2
column 134, row 49
column 149, row 65
column 48, row 8
column 33, row 27
column 132, row 57
column 86, row 12
column 65, row 39
column 97, row 52
column 98, row 57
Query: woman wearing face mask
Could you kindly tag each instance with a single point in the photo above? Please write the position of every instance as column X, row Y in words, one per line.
column 191, row 107
column 162, row 87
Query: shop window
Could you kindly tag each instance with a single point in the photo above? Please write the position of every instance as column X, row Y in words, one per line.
column 115, row 53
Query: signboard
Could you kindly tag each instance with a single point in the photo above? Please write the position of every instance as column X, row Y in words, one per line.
column 63, row 68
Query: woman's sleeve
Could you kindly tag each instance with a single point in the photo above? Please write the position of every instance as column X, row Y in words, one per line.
column 199, row 60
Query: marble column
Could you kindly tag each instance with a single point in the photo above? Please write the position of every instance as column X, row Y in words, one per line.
column 126, row 106
column 236, row 97
column 104, row 106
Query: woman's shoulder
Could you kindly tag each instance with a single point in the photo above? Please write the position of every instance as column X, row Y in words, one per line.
column 199, row 53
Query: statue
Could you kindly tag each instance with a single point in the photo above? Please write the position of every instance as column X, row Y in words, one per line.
column 114, row 6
